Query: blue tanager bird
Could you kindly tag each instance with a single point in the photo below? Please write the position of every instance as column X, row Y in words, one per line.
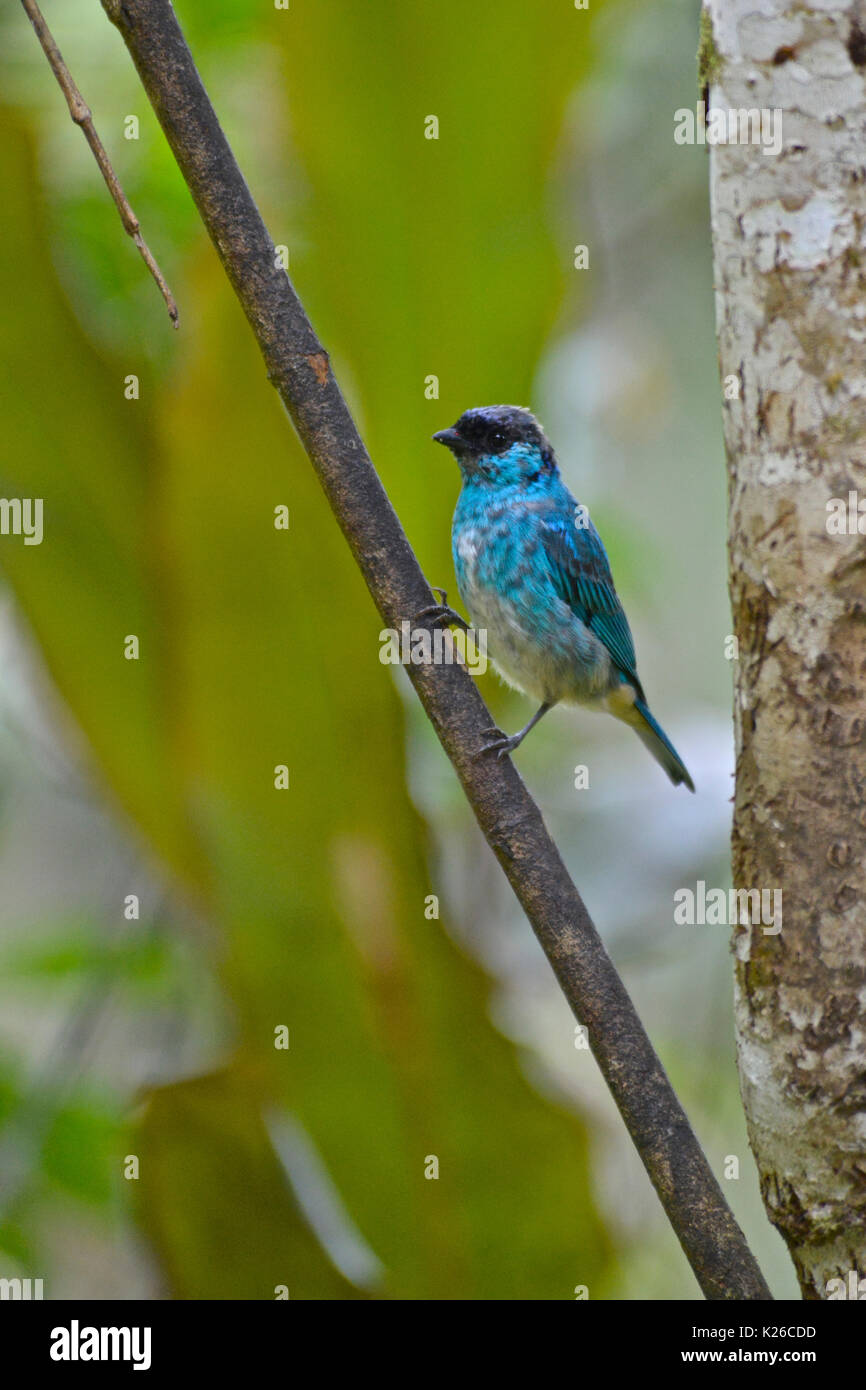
column 532, row 570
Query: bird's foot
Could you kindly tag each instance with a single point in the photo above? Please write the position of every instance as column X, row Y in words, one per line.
column 441, row 614
column 499, row 743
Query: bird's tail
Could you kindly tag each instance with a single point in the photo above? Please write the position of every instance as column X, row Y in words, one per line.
column 653, row 737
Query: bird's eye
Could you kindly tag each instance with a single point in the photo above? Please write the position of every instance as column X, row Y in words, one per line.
column 498, row 437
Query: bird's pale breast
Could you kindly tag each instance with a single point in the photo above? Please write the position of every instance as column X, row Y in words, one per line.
column 534, row 638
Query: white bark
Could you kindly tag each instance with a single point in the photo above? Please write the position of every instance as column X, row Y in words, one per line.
column 789, row 233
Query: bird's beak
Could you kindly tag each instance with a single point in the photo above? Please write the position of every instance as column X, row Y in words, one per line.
column 450, row 438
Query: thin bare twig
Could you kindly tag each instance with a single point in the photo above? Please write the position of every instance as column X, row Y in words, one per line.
column 81, row 115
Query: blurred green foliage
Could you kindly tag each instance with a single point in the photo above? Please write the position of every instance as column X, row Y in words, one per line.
column 259, row 647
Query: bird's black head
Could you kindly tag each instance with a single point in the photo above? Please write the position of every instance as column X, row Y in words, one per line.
column 503, row 445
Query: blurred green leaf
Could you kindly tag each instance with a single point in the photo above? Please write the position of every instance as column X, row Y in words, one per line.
column 81, row 1153
column 16, row 1243
column 10, row 1086
column 140, row 961
column 216, row 1203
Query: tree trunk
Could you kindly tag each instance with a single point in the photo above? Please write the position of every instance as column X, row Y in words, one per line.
column 790, row 275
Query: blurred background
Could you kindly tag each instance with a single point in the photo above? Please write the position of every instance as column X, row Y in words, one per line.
column 168, row 918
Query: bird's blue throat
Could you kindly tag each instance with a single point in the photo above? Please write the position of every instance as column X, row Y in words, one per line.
column 521, row 465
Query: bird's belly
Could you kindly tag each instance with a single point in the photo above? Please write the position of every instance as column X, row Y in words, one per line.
column 543, row 650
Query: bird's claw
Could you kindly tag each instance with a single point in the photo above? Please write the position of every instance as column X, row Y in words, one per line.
column 498, row 743
column 441, row 614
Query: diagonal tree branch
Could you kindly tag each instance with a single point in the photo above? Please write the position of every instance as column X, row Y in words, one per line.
column 82, row 116
column 300, row 369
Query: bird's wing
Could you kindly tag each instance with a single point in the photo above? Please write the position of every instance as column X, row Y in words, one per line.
column 582, row 577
